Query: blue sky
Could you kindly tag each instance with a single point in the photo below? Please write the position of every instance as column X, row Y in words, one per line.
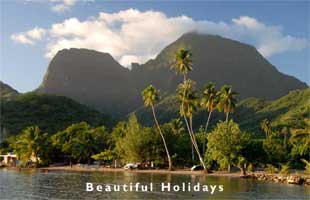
column 32, row 31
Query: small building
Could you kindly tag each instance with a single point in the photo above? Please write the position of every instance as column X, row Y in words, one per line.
column 9, row 159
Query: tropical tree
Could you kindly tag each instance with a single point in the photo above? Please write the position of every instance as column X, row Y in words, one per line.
column 182, row 63
column 106, row 155
column 209, row 102
column 266, row 127
column 189, row 104
column 226, row 144
column 277, row 149
column 91, row 141
column 134, row 143
column 150, row 95
column 31, row 143
column 300, row 139
column 79, row 141
column 176, row 126
column 227, row 100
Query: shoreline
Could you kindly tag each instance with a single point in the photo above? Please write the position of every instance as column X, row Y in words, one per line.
column 155, row 171
column 257, row 175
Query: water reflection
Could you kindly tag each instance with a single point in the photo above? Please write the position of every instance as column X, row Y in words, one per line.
column 34, row 184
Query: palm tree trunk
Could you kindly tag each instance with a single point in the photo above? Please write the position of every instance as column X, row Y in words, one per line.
column 204, row 134
column 227, row 113
column 189, row 128
column 37, row 160
column 163, row 138
column 195, row 143
column 193, row 155
column 189, row 132
column 182, row 104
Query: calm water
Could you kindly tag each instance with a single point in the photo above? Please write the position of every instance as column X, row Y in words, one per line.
column 33, row 184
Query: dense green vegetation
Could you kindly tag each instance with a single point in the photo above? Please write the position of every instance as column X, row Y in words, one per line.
column 51, row 113
column 226, row 145
column 7, row 91
column 79, row 142
column 288, row 111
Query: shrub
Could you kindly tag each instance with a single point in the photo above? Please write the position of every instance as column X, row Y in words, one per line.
column 285, row 169
column 307, row 167
column 271, row 169
column 250, row 168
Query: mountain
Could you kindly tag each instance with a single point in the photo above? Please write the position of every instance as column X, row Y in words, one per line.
column 92, row 78
column 222, row 61
column 288, row 111
column 97, row 80
column 51, row 113
column 7, row 91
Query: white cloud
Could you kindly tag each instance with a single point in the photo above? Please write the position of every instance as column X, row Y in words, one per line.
column 36, row 33
column 21, row 38
column 135, row 36
column 30, row 36
column 60, row 8
column 62, row 5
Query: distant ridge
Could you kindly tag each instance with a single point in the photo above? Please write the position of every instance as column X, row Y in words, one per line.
column 7, row 91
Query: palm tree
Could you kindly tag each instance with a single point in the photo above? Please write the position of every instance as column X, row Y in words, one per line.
column 265, row 126
column 182, row 63
column 150, row 95
column 209, row 102
column 302, row 135
column 31, row 143
column 227, row 101
column 189, row 105
column 177, row 126
column 87, row 144
column 303, row 132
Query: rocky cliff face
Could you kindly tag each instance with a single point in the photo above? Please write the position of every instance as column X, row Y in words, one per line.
column 96, row 79
column 92, row 78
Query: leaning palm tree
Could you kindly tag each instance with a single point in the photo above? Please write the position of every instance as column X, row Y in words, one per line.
column 227, row 100
column 182, row 64
column 189, row 105
column 265, row 126
column 150, row 95
column 209, row 102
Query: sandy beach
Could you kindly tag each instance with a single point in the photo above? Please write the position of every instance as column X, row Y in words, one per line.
column 158, row 171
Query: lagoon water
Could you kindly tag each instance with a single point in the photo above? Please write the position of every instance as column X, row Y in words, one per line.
column 34, row 184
